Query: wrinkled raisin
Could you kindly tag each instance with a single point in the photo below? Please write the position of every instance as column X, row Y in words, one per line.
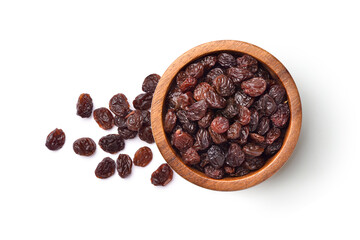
column 197, row 110
column 265, row 105
column 213, row 172
column 263, row 126
column 237, row 75
column 220, row 124
column 244, row 133
column 202, row 140
column 143, row 101
column 184, row 100
column 216, row 156
column 252, row 149
column 244, row 115
column 234, row 130
column 188, row 84
column 226, row 60
column 217, row 137
column 112, row 143
column 124, row 165
column 84, row 146
column 55, row 140
column 150, row 83
column 208, row 62
column 231, row 109
column 281, row 116
column 162, row 176
column 272, row 135
column 254, row 87
column 143, row 157
column 274, row 147
column 257, row 138
column 145, row 134
column 120, row 122
column 104, row 118
column 191, row 157
column 254, row 163
column 181, row 140
column 125, row 133
column 212, row 74
column 215, row 100
column 119, row 105
column 106, row 168
column 170, row 121
column 206, row 120
column 134, row 120
column 201, row 89
column 240, row 171
column 84, row 106
column 195, row 70
column 188, row 126
column 254, row 120
column 235, row 156
column 277, row 93
column 243, row 100
column 248, row 63
column 224, row 85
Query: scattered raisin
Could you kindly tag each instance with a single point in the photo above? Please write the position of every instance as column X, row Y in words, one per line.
column 119, row 105
column 84, row 146
column 84, row 105
column 143, row 157
column 134, row 120
column 55, row 140
column 105, row 169
column 112, row 143
column 124, row 165
column 125, row 133
column 104, row 118
column 145, row 134
column 143, row 101
column 150, row 83
column 162, row 176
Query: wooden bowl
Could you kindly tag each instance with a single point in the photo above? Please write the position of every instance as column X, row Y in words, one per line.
column 276, row 69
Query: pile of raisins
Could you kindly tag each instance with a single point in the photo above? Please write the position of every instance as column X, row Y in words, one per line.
column 226, row 115
column 129, row 123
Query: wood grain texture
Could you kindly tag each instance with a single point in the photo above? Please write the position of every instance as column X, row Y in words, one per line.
column 277, row 70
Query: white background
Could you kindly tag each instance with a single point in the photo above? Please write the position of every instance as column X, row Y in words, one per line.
column 51, row 51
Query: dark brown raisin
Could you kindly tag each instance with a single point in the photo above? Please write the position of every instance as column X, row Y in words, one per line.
column 254, row 163
column 215, row 100
column 201, row 89
column 143, row 157
column 125, row 133
column 134, row 120
column 170, row 121
column 240, row 171
column 254, row 87
column 278, row 93
column 252, row 149
column 202, row 140
column 119, row 105
column 172, row 98
column 120, row 122
column 281, row 116
column 235, row 156
column 220, row 124
column 208, row 62
column 224, row 85
column 213, row 172
column 237, row 75
column 247, row 62
column 150, row 83
column 184, row 100
column 231, row 109
column 272, row 135
column 191, row 157
column 244, row 115
column 181, row 140
column 216, row 156
column 263, row 126
column 243, row 100
column 244, row 133
column 124, row 165
column 257, row 138
column 254, row 120
column 206, row 120
column 112, row 143
column 216, row 137
column 84, row 146
column 229, row 170
column 188, row 84
column 162, row 176
column 226, row 60
column 143, row 101
column 234, row 131
column 195, row 70
column 204, row 160
column 188, row 126
column 146, row 118
column 262, row 73
column 55, row 140
column 265, row 105
column 197, row 110
column 145, row 134
column 84, row 106
column 104, row 118
column 212, row 74
column 105, row 168
column 274, row 147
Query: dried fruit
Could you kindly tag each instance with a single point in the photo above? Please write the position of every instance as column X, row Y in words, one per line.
column 197, row 110
column 125, row 133
column 266, row 105
column 237, row 75
column 254, row 87
column 247, row 62
column 263, row 126
column 226, row 60
column 181, row 140
column 216, row 156
column 145, row 134
column 254, row 163
column 84, row 146
column 224, row 85
column 119, row 105
column 212, row 74
column 231, row 109
column 277, row 92
column 272, row 135
column 216, row 173
column 252, row 149
column 215, row 100
column 243, row 100
column 234, row 130
column 170, row 121
column 55, row 140
column 191, row 157
column 105, row 169
column 201, row 89
column 281, row 116
column 206, row 120
column 188, row 126
column 104, row 118
column 84, row 105
column 202, row 140
column 195, row 70
column 235, row 156
column 112, row 143
column 244, row 115
column 124, row 165
column 150, row 83
column 143, row 101
column 134, row 120
column 220, row 124
column 162, row 176
column 143, row 157
column 208, row 62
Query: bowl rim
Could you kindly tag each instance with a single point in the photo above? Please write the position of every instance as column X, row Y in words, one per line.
column 277, row 70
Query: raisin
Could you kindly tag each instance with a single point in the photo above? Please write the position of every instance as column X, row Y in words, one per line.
column 124, row 165
column 84, row 106
column 235, row 156
column 274, row 147
column 55, row 140
column 189, row 126
column 125, row 133
column 120, row 122
column 248, row 62
column 226, row 60
column 119, row 105
column 237, row 75
column 243, row 100
column 234, row 130
column 244, row 115
column 206, row 120
column 254, row 163
column 212, row 74
column 84, row 146
column 215, row 100
column 204, row 160
column 216, row 137
column 213, row 172
column 208, row 62
column 216, row 156
column 254, row 87
column 106, row 168
column 231, row 109
column 220, row 124
column 240, row 171
column 197, row 110
column 145, row 134
column 188, row 84
column 162, row 176
column 254, row 120
column 229, row 170
column 134, row 120
column 181, row 140
column 265, row 105
column 262, row 73
column 272, row 135
column 170, row 121
column 104, row 118
column 202, row 140
column 252, row 149
column 184, row 100
column 201, row 89
column 224, row 85
column 191, row 157
column 146, row 118
column 257, row 138
column 263, row 126
column 150, row 83
column 172, row 98
column 244, row 133
column 143, row 101
column 112, row 143
column 143, row 157
column 195, row 70
column 277, row 93
column 281, row 116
